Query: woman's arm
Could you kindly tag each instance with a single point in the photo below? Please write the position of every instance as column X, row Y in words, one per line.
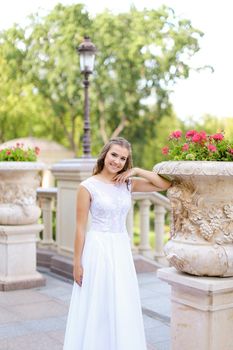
column 148, row 181
column 83, row 205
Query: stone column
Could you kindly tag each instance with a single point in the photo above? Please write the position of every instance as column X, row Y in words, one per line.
column 144, row 246
column 69, row 173
column 202, row 311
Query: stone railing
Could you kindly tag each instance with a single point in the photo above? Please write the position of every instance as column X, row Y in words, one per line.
column 146, row 202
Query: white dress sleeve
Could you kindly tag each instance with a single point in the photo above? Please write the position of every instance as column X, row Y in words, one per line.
column 89, row 187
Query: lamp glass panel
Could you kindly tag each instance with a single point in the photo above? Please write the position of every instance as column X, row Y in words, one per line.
column 87, row 60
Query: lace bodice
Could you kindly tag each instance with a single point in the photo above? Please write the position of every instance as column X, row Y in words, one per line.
column 110, row 204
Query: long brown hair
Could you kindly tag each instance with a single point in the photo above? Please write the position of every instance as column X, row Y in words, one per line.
column 116, row 141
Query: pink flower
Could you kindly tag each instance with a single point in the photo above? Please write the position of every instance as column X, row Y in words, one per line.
column 185, row 147
column 217, row 137
column 198, row 145
column 196, row 137
column 17, row 144
column 8, row 152
column 165, row 150
column 199, row 136
column 212, row 148
column 190, row 133
column 202, row 135
column 176, row 134
column 37, row 150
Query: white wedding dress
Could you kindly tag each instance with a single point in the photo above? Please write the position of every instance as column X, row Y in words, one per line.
column 105, row 313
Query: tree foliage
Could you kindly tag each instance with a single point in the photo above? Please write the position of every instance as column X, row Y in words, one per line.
column 212, row 124
column 141, row 55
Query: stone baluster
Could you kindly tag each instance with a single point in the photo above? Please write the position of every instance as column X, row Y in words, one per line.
column 46, row 198
column 130, row 226
column 144, row 246
column 46, row 207
column 159, row 223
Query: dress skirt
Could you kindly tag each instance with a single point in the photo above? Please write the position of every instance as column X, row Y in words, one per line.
column 105, row 312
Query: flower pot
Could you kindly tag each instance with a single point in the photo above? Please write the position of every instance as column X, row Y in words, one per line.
column 18, row 184
column 202, row 216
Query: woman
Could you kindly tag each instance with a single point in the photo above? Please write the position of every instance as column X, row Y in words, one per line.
column 105, row 311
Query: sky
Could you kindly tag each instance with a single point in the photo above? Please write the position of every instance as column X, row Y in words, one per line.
column 203, row 92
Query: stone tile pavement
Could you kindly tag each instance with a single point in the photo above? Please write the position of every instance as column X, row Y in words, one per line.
column 35, row 319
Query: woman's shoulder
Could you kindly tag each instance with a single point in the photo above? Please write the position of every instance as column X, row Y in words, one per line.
column 89, row 185
column 89, row 182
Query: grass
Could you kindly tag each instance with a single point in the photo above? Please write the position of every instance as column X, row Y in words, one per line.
column 151, row 236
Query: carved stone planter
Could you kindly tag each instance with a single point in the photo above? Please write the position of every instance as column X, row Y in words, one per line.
column 18, row 184
column 19, row 226
column 202, row 216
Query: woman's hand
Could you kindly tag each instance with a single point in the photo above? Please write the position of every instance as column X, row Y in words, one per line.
column 122, row 177
column 143, row 180
column 78, row 274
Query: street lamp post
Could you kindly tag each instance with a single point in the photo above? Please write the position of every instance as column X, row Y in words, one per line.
column 87, row 52
column 69, row 173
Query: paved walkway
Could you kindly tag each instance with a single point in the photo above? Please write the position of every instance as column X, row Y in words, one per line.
column 35, row 319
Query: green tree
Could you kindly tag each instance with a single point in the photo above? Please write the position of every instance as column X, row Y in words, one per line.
column 153, row 146
column 22, row 111
column 141, row 55
column 139, row 68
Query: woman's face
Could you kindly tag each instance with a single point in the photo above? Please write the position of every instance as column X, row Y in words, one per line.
column 115, row 159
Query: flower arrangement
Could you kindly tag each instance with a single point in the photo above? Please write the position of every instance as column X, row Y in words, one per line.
column 19, row 153
column 194, row 145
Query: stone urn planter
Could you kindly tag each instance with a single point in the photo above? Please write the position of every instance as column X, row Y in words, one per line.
column 18, row 184
column 202, row 216
column 19, row 226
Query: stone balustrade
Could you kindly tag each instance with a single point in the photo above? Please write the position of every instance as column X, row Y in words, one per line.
column 146, row 202
column 160, row 206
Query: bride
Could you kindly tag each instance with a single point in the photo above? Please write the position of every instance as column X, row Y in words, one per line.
column 105, row 311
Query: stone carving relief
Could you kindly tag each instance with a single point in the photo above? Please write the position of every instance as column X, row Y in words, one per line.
column 210, row 261
column 20, row 194
column 18, row 202
column 181, row 264
column 193, row 220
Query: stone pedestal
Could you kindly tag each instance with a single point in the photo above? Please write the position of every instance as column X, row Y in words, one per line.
column 69, row 173
column 202, row 311
column 18, row 257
